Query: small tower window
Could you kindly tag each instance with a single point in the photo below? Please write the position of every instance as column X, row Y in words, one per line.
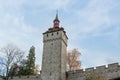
column 52, row 34
column 57, row 33
column 47, row 35
column 50, row 73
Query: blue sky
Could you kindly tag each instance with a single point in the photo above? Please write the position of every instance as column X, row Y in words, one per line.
column 93, row 26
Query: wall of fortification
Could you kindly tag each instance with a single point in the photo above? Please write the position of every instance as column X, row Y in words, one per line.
column 110, row 72
column 31, row 77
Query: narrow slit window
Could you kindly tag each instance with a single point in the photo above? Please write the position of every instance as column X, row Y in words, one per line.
column 52, row 34
column 47, row 35
column 57, row 33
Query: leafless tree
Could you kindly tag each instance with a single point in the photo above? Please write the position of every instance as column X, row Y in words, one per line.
column 2, row 67
column 11, row 55
column 73, row 60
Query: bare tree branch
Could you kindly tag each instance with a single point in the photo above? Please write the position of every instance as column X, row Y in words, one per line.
column 12, row 55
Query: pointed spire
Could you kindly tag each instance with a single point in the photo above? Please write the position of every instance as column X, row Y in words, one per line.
column 56, row 21
column 56, row 18
column 56, row 15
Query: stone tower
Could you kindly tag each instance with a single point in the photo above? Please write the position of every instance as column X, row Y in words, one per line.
column 54, row 53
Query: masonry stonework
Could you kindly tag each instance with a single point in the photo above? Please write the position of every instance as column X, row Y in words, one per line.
column 111, row 72
column 54, row 53
column 108, row 73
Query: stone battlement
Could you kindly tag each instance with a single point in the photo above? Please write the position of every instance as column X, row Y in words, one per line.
column 113, row 66
column 110, row 71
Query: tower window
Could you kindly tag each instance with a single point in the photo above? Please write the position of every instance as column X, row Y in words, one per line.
column 52, row 34
column 47, row 35
column 57, row 33
column 50, row 73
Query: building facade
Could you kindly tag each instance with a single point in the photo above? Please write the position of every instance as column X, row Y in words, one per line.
column 54, row 53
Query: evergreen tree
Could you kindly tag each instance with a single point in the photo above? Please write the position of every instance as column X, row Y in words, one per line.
column 30, row 64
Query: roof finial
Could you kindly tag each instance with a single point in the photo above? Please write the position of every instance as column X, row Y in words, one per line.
column 56, row 18
column 56, row 14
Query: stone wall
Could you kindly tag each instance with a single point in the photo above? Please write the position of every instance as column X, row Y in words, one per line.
column 31, row 77
column 54, row 55
column 110, row 72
